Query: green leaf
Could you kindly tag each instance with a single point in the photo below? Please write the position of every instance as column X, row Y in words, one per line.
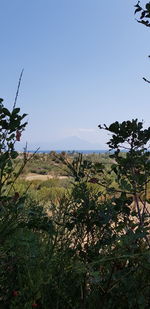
column 6, row 111
column 147, row 6
column 16, row 111
column 14, row 154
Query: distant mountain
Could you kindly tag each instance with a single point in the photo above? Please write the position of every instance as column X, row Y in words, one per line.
column 74, row 143
column 68, row 143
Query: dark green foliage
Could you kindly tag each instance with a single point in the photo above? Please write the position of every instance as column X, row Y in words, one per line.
column 88, row 247
column 11, row 128
column 144, row 13
column 132, row 170
column 21, row 225
column 144, row 18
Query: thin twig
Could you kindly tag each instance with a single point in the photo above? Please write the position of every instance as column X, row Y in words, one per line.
column 21, row 169
column 146, row 80
column 17, row 92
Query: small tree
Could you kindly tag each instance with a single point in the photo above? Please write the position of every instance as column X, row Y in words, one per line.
column 11, row 128
column 133, row 169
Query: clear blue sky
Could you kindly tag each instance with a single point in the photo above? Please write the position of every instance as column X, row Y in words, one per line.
column 83, row 65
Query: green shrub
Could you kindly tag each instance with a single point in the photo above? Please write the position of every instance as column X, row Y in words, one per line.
column 89, row 247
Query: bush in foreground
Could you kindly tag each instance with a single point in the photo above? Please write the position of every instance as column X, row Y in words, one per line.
column 92, row 249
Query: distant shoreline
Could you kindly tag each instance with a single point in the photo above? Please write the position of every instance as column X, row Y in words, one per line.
column 72, row 151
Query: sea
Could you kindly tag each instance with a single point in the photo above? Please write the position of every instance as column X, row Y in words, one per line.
column 72, row 151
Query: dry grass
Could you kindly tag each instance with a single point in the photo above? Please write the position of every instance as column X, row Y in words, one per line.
column 32, row 176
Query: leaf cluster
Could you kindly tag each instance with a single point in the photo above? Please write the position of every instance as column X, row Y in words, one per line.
column 144, row 13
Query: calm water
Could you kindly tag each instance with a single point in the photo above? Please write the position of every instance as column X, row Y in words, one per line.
column 72, row 151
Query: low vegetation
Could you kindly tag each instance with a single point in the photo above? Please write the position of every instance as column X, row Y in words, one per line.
column 79, row 242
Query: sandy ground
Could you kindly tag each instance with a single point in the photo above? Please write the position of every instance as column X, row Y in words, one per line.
column 31, row 177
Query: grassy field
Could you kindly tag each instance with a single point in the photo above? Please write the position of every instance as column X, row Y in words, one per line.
column 46, row 178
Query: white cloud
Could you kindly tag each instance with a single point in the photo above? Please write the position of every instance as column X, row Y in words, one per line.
column 86, row 130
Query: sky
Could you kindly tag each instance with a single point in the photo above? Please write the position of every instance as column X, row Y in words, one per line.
column 83, row 64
